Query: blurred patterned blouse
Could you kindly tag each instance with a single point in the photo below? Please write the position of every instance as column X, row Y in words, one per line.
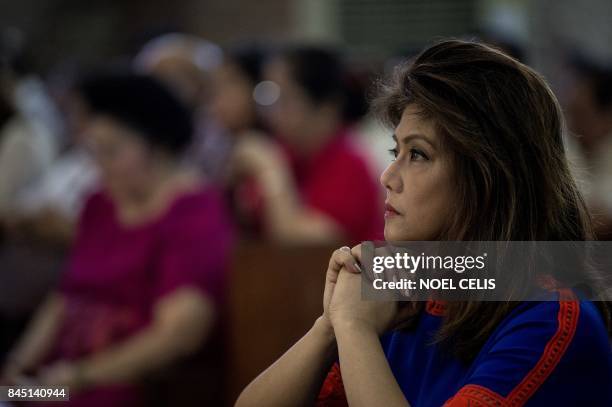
column 116, row 275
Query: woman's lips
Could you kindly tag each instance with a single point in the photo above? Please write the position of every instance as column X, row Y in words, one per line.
column 390, row 210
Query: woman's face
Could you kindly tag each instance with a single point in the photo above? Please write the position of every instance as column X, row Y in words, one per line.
column 418, row 182
column 232, row 99
column 293, row 114
column 123, row 157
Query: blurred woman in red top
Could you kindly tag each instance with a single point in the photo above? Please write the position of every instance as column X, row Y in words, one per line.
column 314, row 185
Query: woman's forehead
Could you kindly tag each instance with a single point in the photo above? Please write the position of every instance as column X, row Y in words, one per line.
column 413, row 121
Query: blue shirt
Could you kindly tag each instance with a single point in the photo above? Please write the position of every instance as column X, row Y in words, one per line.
column 548, row 353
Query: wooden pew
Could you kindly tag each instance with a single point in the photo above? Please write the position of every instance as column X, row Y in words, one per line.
column 275, row 295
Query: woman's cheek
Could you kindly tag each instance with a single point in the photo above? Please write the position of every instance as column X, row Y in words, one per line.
column 427, row 201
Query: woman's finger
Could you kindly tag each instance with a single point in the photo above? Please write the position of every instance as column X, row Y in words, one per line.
column 349, row 261
column 356, row 252
column 342, row 257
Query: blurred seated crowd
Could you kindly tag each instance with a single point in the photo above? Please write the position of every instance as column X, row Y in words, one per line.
column 125, row 191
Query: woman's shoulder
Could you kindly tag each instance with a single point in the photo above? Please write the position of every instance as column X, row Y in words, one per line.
column 558, row 333
column 552, row 340
column 347, row 151
column 566, row 323
column 563, row 311
column 199, row 199
column 345, row 164
column 549, row 346
column 200, row 209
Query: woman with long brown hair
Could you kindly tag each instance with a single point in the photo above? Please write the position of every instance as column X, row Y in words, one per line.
column 479, row 156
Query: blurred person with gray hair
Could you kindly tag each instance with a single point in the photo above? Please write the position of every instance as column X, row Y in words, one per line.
column 185, row 64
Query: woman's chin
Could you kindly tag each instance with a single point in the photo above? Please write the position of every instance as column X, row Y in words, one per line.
column 393, row 234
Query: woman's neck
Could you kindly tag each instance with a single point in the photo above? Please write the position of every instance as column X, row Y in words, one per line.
column 154, row 197
column 319, row 135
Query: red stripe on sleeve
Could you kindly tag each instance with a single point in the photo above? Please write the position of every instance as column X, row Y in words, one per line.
column 474, row 395
column 569, row 311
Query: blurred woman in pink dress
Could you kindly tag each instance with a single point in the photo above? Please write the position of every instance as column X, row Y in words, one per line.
column 145, row 280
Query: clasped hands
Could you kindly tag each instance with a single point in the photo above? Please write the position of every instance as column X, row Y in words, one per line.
column 343, row 307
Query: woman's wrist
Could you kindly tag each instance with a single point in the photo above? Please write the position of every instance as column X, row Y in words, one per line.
column 354, row 325
column 274, row 179
column 324, row 328
column 323, row 333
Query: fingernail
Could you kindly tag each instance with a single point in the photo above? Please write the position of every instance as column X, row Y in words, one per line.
column 357, row 267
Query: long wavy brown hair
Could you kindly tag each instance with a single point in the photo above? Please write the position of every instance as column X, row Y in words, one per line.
column 503, row 129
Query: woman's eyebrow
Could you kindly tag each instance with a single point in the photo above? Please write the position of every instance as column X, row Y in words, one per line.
column 413, row 136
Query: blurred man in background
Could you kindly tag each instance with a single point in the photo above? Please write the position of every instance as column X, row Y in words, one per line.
column 589, row 115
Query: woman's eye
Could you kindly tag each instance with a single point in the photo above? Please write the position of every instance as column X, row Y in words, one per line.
column 393, row 152
column 416, row 154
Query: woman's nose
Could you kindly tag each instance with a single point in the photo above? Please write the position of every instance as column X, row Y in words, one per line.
column 390, row 179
